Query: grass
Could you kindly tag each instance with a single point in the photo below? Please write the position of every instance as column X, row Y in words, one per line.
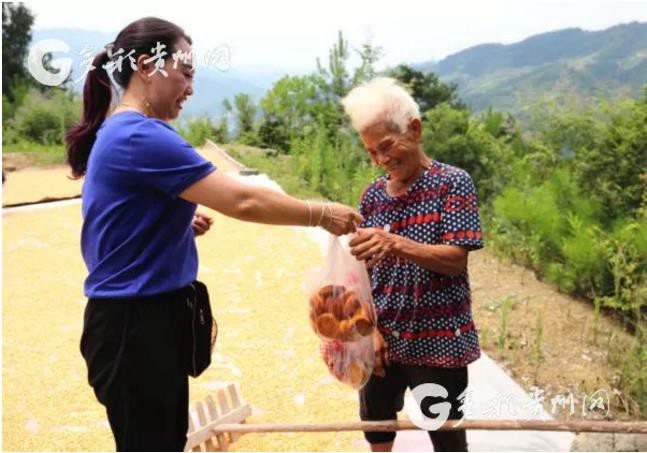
column 279, row 168
column 502, row 307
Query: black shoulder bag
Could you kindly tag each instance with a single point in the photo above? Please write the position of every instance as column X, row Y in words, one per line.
column 202, row 331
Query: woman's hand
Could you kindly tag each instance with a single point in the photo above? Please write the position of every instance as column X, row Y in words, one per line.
column 201, row 223
column 339, row 219
column 372, row 244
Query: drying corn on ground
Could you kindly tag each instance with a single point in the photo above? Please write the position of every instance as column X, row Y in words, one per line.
column 265, row 343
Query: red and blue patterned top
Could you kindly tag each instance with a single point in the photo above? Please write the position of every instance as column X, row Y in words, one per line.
column 425, row 317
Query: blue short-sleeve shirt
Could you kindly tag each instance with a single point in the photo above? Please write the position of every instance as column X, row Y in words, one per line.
column 137, row 238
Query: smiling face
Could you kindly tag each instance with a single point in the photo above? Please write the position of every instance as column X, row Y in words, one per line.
column 397, row 153
column 166, row 94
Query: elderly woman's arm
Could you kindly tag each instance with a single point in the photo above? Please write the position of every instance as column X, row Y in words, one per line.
column 372, row 244
column 443, row 259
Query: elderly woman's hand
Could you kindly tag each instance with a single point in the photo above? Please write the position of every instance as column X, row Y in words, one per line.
column 201, row 223
column 372, row 244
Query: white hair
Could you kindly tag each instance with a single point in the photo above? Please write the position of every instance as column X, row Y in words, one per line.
column 381, row 99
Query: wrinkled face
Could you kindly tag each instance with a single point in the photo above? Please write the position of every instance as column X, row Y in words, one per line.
column 166, row 94
column 397, row 153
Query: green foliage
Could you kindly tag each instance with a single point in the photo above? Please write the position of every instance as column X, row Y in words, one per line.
column 425, row 88
column 504, row 307
column 337, row 170
column 43, row 118
column 547, row 227
column 289, row 109
column 452, row 136
column 273, row 133
column 615, row 167
column 630, row 359
column 625, row 250
column 280, row 166
column 245, row 112
column 196, row 131
column 578, row 217
column 336, row 77
column 19, row 92
column 370, row 55
column 17, row 21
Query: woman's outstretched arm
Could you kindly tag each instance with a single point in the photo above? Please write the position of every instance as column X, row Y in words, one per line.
column 259, row 204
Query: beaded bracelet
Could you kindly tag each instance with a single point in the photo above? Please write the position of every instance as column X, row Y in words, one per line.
column 309, row 213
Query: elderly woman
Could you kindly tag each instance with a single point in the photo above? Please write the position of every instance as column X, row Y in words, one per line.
column 421, row 220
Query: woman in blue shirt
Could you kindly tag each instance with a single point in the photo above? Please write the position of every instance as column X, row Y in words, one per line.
column 142, row 185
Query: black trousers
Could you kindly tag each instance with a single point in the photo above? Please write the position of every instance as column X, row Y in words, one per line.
column 134, row 351
column 383, row 397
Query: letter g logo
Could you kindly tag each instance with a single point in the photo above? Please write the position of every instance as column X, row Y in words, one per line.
column 413, row 405
column 35, row 62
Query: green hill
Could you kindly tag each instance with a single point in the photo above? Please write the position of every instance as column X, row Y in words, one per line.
column 570, row 62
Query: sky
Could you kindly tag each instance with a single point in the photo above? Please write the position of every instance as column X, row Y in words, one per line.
column 290, row 35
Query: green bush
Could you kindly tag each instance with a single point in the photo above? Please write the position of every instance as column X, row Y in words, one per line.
column 43, row 118
column 483, row 146
column 197, row 131
column 338, row 170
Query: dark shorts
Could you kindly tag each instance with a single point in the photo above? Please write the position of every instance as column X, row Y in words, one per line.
column 134, row 351
column 383, row 397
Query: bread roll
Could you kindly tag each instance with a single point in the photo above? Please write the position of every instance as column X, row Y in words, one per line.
column 346, row 330
column 362, row 325
column 337, row 308
column 326, row 291
column 327, row 326
column 351, row 304
column 317, row 304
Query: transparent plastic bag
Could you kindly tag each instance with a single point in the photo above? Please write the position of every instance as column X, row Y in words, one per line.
column 342, row 314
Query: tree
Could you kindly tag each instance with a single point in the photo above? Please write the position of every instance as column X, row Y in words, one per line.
column 427, row 90
column 370, row 54
column 221, row 131
column 245, row 111
column 336, row 76
column 288, row 108
column 615, row 169
column 17, row 21
column 226, row 107
column 333, row 83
